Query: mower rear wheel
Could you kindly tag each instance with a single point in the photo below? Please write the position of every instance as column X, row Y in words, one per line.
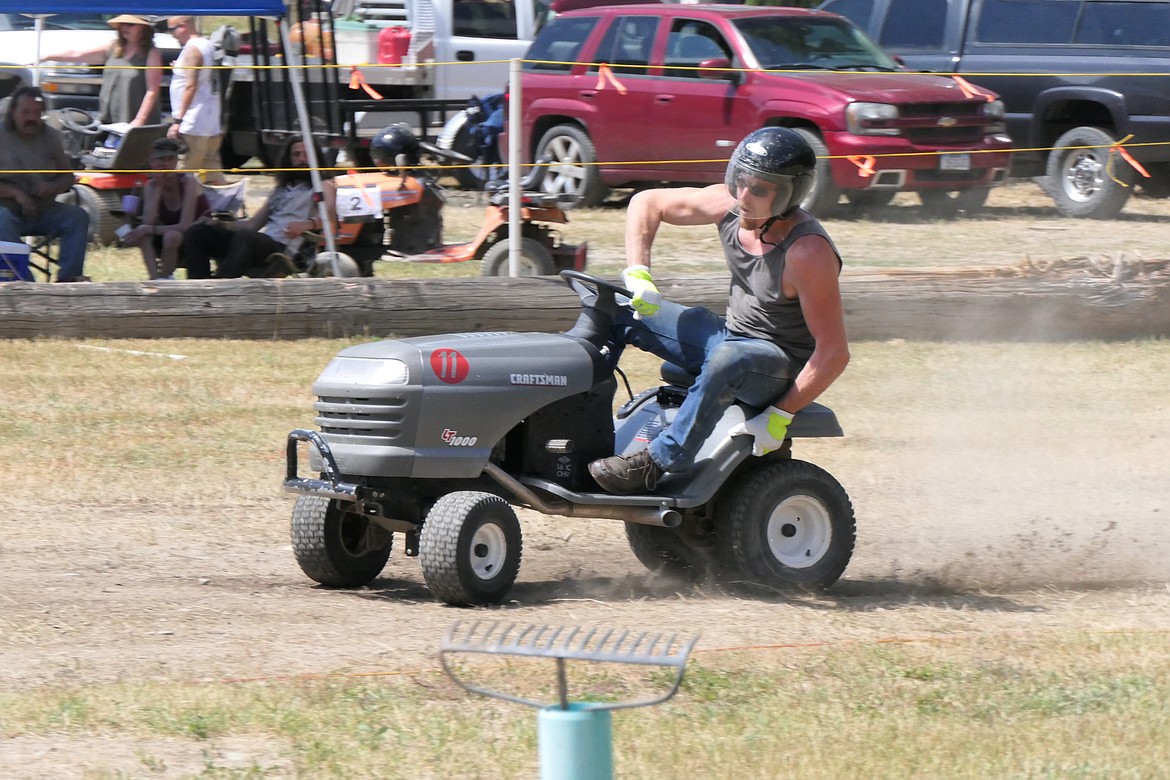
column 99, row 205
column 335, row 546
column 789, row 523
column 470, row 548
column 687, row 553
column 535, row 259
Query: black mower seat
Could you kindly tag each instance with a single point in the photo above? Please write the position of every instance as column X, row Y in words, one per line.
column 813, row 420
column 676, row 375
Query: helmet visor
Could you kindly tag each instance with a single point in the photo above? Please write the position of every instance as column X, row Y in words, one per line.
column 758, row 196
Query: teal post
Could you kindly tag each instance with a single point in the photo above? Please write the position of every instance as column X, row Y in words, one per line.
column 575, row 743
column 574, row 739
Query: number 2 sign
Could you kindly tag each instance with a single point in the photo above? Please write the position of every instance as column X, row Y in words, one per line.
column 359, row 204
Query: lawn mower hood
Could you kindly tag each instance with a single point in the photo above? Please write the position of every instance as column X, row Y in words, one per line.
column 435, row 406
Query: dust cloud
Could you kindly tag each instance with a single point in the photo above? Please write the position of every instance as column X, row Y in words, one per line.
column 1006, row 466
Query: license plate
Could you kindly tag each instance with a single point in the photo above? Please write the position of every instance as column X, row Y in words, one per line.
column 954, row 162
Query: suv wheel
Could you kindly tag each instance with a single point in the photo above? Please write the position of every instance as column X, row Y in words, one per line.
column 1081, row 181
column 822, row 199
column 574, row 167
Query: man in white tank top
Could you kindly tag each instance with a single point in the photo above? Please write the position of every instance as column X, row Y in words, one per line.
column 195, row 103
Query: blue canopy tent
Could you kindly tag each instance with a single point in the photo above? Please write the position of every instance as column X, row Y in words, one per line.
column 272, row 8
column 263, row 8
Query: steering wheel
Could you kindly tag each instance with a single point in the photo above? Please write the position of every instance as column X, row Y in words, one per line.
column 595, row 292
column 78, row 121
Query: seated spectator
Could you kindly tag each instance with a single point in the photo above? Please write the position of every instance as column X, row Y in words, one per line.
column 171, row 202
column 267, row 244
column 28, row 200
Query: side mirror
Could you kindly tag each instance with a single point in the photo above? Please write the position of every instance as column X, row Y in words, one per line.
column 716, row 69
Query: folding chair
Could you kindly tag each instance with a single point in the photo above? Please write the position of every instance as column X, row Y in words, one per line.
column 226, row 201
column 41, row 255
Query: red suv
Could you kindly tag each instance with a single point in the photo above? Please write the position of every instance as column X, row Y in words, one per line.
column 631, row 95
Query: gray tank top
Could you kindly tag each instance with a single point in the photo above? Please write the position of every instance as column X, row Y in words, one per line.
column 757, row 306
column 123, row 89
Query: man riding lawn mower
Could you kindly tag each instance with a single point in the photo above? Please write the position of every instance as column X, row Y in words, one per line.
column 437, row 437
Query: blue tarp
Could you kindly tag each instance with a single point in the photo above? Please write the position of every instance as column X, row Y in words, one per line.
column 143, row 7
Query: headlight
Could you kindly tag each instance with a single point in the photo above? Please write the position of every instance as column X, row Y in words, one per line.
column 871, row 119
column 365, row 372
column 993, row 110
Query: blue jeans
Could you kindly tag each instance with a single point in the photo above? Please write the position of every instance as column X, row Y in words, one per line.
column 730, row 368
column 67, row 223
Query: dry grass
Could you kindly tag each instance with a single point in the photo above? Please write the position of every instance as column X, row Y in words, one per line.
column 1087, row 705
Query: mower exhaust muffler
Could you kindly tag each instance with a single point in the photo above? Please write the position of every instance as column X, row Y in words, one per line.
column 662, row 516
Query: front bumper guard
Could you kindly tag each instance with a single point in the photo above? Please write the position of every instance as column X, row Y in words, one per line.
column 329, row 487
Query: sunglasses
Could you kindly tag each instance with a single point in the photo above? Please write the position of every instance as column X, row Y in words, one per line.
column 174, row 27
column 756, row 189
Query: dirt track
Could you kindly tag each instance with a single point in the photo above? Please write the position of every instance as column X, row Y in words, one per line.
column 180, row 607
column 1000, row 499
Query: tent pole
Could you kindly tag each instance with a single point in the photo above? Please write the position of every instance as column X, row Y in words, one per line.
column 295, row 74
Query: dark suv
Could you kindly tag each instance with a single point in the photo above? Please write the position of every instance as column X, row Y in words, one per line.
column 1076, row 76
column 631, row 95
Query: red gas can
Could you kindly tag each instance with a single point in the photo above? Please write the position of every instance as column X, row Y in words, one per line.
column 393, row 44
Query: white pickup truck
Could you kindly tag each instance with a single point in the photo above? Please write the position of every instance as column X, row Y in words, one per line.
column 456, row 48
column 23, row 46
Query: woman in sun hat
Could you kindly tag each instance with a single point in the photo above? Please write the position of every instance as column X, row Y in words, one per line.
column 132, row 76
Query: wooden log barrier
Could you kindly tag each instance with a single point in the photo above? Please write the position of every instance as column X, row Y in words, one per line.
column 922, row 304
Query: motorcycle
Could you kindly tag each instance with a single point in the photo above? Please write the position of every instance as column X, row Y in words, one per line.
column 474, row 133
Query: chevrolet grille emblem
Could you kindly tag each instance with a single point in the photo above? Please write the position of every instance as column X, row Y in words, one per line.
column 947, row 121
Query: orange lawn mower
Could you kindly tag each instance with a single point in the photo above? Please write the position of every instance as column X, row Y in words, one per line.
column 113, row 162
column 396, row 214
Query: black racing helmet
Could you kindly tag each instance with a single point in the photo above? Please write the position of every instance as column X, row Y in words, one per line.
column 395, row 146
column 775, row 156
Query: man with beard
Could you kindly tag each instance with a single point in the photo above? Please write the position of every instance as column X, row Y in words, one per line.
column 783, row 340
column 34, row 170
column 267, row 243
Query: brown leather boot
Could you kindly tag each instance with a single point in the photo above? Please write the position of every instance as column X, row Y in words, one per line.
column 637, row 473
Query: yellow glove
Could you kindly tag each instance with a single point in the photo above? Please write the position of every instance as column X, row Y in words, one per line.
column 647, row 300
column 768, row 430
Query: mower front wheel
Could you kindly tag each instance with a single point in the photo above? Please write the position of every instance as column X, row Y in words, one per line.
column 335, row 546
column 789, row 524
column 535, row 259
column 99, row 205
column 470, row 548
